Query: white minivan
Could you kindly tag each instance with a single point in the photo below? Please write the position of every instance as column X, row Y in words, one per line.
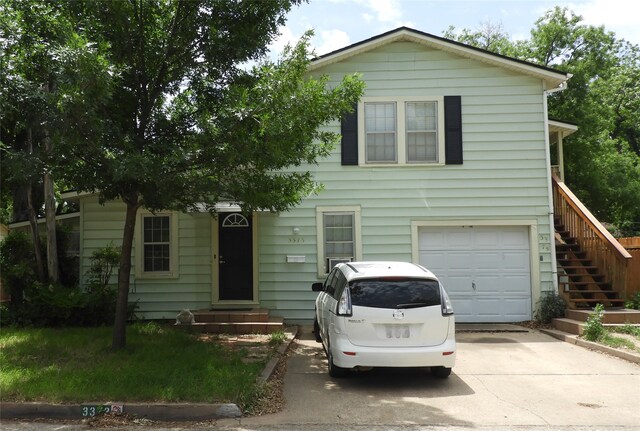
column 384, row 314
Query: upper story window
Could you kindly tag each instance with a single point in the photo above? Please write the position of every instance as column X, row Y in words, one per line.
column 397, row 131
column 402, row 131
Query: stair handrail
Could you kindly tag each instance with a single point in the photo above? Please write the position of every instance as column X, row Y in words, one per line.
column 615, row 264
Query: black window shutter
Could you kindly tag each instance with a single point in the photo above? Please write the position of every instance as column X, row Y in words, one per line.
column 453, row 130
column 349, row 143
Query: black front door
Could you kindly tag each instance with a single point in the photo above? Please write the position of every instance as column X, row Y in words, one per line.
column 236, row 257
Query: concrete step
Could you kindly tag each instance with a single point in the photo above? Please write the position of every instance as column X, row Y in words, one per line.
column 274, row 324
column 576, row 327
column 226, row 316
column 619, row 316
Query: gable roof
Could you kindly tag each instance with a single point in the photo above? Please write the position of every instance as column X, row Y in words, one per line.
column 554, row 79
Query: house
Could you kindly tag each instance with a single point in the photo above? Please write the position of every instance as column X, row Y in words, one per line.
column 446, row 162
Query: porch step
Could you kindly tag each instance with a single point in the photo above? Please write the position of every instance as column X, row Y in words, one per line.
column 250, row 321
column 574, row 320
column 590, row 303
column 621, row 316
column 226, row 316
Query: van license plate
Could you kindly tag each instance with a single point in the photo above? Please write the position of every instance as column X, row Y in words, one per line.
column 398, row 331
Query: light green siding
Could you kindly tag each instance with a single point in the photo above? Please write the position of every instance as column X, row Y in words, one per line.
column 503, row 177
column 157, row 298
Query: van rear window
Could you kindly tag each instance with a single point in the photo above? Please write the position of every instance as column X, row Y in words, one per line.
column 395, row 293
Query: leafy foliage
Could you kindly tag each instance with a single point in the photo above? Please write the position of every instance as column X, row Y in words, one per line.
column 160, row 90
column 634, row 302
column 550, row 306
column 593, row 328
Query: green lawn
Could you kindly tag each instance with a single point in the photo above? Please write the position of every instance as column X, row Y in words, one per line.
column 159, row 364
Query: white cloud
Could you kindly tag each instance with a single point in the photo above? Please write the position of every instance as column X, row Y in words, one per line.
column 330, row 40
column 287, row 37
column 619, row 16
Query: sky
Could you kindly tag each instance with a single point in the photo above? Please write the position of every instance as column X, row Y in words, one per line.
column 339, row 23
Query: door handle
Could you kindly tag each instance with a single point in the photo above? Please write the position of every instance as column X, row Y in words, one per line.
column 473, row 285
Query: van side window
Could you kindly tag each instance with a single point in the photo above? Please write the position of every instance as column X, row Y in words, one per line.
column 341, row 282
column 330, row 284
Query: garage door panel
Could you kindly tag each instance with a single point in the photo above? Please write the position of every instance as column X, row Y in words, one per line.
column 458, row 285
column 515, row 261
column 494, row 258
column 463, row 307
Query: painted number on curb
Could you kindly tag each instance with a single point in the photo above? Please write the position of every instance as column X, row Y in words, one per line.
column 95, row 410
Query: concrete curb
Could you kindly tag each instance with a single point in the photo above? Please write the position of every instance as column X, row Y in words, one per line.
column 152, row 411
column 574, row 339
column 291, row 333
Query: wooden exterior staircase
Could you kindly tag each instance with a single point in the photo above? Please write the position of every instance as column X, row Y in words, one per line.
column 250, row 321
column 592, row 265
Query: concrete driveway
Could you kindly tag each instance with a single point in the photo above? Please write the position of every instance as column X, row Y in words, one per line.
column 500, row 379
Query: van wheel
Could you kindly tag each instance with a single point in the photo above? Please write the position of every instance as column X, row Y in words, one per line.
column 316, row 331
column 334, row 370
column 440, row 372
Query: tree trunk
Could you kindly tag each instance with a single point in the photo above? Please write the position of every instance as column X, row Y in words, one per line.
column 33, row 222
column 35, row 237
column 122, row 301
column 50, row 208
column 50, row 215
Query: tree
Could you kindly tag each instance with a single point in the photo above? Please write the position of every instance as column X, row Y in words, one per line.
column 174, row 118
column 32, row 35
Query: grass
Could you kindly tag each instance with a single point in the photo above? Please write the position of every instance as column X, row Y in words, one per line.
column 159, row 364
column 609, row 339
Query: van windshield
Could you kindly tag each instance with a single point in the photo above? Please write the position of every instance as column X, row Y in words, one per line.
column 395, row 293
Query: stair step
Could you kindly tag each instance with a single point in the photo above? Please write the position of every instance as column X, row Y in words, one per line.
column 585, row 283
column 576, row 327
column 609, row 292
column 222, row 316
column 274, row 324
column 619, row 316
column 594, row 301
column 587, row 267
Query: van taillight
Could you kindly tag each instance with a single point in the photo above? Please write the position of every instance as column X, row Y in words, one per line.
column 447, row 308
column 344, row 304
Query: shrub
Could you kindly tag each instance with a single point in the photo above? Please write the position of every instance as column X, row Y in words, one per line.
column 17, row 268
column 55, row 305
column 550, row 306
column 634, row 302
column 593, row 328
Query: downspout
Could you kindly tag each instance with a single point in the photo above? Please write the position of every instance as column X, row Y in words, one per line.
column 552, row 242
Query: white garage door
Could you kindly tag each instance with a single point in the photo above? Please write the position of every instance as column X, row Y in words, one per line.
column 485, row 270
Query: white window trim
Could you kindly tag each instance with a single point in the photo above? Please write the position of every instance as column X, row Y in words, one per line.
column 401, row 133
column 357, row 233
column 173, row 247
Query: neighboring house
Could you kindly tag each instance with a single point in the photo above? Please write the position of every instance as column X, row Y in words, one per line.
column 446, row 162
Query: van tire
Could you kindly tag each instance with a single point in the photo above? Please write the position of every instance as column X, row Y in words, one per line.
column 440, row 372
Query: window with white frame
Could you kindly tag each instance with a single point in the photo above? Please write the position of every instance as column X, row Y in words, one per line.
column 402, row 131
column 338, row 231
column 156, row 245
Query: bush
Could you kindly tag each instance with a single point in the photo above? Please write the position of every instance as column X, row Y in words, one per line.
column 17, row 266
column 56, row 305
column 634, row 302
column 593, row 328
column 550, row 306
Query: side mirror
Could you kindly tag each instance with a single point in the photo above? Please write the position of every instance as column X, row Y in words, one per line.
column 317, row 287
